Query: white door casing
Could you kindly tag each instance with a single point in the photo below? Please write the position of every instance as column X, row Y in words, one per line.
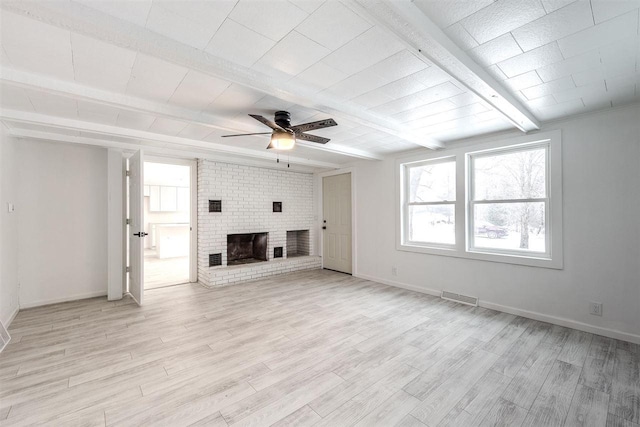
column 136, row 226
column 336, row 211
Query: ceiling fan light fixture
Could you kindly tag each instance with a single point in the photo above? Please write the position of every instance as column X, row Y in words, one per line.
column 282, row 140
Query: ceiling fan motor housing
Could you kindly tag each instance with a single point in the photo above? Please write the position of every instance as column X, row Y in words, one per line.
column 283, row 119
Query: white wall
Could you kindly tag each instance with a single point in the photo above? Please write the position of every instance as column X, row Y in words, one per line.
column 8, row 228
column 601, row 173
column 63, row 222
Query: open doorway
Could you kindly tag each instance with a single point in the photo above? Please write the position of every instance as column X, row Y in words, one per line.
column 167, row 222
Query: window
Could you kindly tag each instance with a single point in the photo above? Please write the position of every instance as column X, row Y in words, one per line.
column 430, row 202
column 498, row 201
column 508, row 201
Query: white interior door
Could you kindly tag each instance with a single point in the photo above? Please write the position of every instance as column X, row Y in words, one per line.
column 336, row 210
column 136, row 226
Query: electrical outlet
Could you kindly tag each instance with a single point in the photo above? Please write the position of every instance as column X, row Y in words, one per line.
column 394, row 271
column 595, row 308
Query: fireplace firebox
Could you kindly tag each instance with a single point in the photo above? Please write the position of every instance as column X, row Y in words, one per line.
column 246, row 248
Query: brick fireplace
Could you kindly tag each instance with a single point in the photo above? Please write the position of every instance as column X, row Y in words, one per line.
column 246, row 195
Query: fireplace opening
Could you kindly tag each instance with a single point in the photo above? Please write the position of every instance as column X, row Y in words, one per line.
column 297, row 243
column 246, row 248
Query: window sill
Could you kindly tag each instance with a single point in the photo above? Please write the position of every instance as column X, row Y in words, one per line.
column 529, row 261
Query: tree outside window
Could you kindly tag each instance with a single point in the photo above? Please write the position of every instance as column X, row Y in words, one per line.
column 509, row 199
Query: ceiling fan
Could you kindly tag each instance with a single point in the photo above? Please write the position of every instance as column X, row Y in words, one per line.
column 284, row 135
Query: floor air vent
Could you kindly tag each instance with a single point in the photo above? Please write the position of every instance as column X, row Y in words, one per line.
column 463, row 299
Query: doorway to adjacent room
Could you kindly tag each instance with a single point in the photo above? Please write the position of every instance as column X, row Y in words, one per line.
column 167, row 222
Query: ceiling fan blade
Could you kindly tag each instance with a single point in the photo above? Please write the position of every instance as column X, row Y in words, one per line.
column 311, row 138
column 267, row 122
column 320, row 124
column 246, row 134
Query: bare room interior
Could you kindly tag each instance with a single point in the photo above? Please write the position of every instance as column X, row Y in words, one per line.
column 410, row 213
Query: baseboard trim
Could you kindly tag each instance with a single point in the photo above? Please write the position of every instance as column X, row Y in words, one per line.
column 65, row 299
column 563, row 321
column 560, row 321
column 12, row 316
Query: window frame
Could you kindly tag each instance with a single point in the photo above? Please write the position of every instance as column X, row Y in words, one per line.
column 462, row 153
column 407, row 201
column 472, row 202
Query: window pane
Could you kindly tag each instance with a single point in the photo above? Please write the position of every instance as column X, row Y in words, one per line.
column 515, row 175
column 432, row 224
column 510, row 226
column 432, row 182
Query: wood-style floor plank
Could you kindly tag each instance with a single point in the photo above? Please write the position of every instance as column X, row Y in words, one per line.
column 504, row 413
column 576, row 348
column 517, row 354
column 526, row 384
column 625, row 390
column 367, row 401
column 552, row 404
column 312, row 348
column 613, row 421
column 442, row 399
column 409, row 421
column 390, row 412
column 304, row 416
column 588, row 408
column 597, row 371
column 478, row 401
column 213, row 420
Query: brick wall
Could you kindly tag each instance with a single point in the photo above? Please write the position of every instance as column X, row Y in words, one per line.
column 247, row 194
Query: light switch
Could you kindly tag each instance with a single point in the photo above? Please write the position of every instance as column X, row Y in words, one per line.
column 11, row 207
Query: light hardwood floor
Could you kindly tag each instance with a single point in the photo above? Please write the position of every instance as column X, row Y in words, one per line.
column 164, row 272
column 308, row 348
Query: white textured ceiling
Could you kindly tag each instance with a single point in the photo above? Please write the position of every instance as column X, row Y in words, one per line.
column 557, row 57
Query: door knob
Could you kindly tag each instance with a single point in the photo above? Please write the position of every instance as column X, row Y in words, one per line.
column 141, row 234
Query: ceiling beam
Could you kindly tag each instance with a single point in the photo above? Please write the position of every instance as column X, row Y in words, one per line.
column 160, row 151
column 425, row 38
column 76, row 91
column 85, row 20
column 164, row 141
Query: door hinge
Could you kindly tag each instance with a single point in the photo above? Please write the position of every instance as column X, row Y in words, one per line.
column 128, row 173
column 127, row 270
column 128, row 221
